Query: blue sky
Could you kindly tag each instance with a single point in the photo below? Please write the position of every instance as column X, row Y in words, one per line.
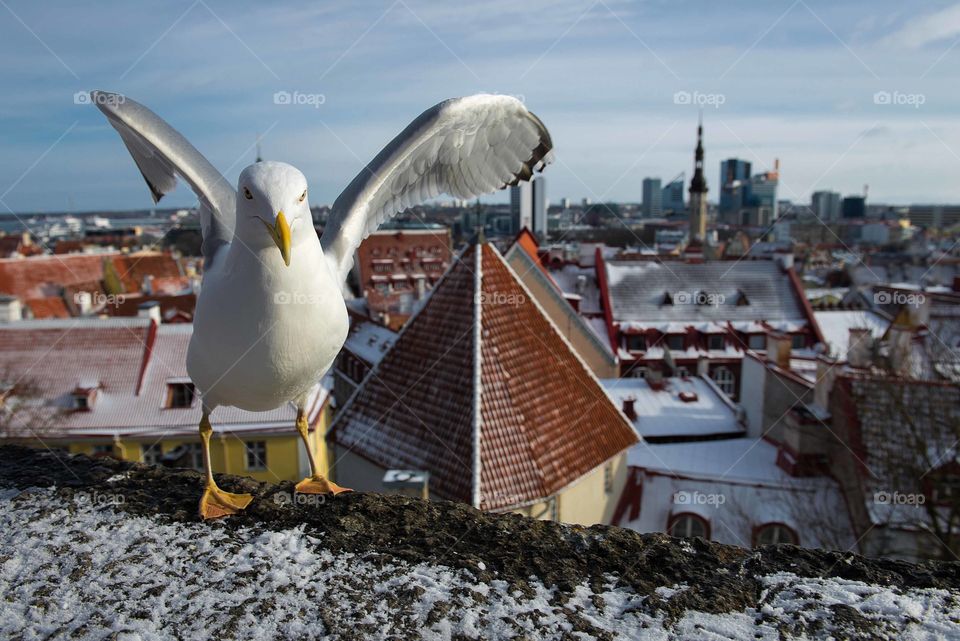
column 793, row 79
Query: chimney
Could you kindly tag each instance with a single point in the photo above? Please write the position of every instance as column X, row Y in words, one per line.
column 859, row 347
column 628, row 407
column 84, row 302
column 655, row 378
column 421, row 287
column 148, row 284
column 151, row 310
column 10, row 309
column 778, row 349
column 785, row 259
column 574, row 301
column 412, row 483
column 899, row 342
column 824, row 383
column 703, row 366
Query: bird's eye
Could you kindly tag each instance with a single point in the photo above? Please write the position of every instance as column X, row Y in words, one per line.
column 303, row 196
column 247, row 194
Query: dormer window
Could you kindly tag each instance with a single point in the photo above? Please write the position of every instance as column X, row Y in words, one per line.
column 84, row 398
column 180, row 395
column 636, row 342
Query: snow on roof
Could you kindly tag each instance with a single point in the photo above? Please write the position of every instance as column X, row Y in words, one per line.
column 370, row 341
column 663, row 413
column 735, row 486
column 579, row 281
column 56, row 354
column 637, row 291
column 836, row 326
column 731, row 460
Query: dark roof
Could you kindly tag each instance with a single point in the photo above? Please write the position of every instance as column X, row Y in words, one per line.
column 637, row 291
column 541, row 419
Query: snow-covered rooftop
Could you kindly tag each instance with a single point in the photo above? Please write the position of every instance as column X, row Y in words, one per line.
column 665, row 413
column 836, row 326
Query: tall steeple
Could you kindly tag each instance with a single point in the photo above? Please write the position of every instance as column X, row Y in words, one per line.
column 698, row 195
column 699, row 183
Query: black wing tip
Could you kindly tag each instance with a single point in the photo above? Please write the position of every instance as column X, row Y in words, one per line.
column 154, row 192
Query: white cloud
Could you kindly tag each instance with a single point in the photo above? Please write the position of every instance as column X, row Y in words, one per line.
column 927, row 28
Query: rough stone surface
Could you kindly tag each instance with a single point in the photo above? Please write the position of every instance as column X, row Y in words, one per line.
column 518, row 550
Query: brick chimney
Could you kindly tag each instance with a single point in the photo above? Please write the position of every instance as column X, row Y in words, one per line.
column 859, row 347
column 778, row 349
column 629, row 408
column 655, row 379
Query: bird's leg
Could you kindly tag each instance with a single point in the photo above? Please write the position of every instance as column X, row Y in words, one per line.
column 317, row 483
column 215, row 502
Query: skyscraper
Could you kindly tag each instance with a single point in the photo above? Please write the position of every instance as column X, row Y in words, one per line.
column 671, row 198
column 521, row 206
column 734, row 177
column 826, row 205
column 539, row 207
column 854, row 207
column 652, row 204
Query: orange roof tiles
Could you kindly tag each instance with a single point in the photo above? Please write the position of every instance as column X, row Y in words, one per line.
column 43, row 276
column 481, row 364
column 52, row 307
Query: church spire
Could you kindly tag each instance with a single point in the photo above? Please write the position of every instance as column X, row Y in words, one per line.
column 699, row 183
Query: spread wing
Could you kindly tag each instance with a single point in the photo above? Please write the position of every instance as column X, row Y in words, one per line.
column 162, row 154
column 464, row 147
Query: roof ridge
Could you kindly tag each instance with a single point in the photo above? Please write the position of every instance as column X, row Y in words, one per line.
column 477, row 371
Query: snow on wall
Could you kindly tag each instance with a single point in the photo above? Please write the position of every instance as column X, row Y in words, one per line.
column 80, row 569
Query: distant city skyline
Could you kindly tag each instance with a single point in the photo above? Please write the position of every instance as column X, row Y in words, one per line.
column 843, row 94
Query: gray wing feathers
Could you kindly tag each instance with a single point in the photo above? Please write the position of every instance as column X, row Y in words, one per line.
column 464, row 147
column 161, row 154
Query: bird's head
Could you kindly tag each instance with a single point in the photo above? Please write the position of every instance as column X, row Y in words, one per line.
column 272, row 207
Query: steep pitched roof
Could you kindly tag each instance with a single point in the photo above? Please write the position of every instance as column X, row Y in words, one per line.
column 483, row 391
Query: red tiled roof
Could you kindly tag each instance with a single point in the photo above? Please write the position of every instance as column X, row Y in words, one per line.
column 129, row 304
column 541, row 419
column 131, row 269
column 51, row 307
column 43, row 276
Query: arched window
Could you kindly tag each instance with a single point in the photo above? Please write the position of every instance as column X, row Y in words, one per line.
column 724, row 379
column 772, row 533
column 689, row 525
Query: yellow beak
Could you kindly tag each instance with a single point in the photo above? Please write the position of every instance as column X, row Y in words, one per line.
column 280, row 232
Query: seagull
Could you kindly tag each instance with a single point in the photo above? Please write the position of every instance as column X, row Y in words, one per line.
column 270, row 318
